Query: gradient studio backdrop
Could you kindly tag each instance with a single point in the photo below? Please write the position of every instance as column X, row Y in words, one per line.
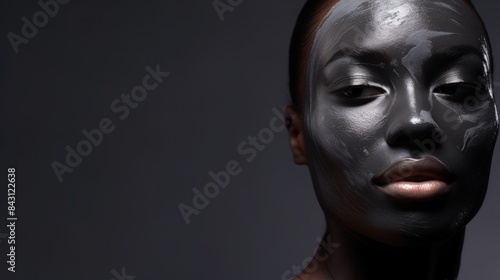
column 118, row 209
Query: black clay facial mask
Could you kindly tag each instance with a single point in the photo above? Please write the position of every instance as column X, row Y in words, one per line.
column 400, row 117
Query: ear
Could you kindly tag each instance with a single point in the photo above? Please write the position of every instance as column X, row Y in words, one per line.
column 295, row 128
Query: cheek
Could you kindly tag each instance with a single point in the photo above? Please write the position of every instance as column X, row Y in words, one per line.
column 470, row 129
column 348, row 134
column 470, row 137
column 342, row 141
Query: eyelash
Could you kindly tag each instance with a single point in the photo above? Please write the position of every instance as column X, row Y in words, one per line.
column 360, row 92
column 457, row 91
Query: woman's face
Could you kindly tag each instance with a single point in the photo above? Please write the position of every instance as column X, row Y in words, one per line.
column 400, row 121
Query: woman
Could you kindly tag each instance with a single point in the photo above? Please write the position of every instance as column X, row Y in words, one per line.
column 393, row 113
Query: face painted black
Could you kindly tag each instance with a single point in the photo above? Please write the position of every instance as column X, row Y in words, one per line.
column 400, row 118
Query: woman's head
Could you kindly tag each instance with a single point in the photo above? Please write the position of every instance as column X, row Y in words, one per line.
column 397, row 118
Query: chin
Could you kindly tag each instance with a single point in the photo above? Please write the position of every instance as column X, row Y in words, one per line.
column 407, row 227
column 414, row 237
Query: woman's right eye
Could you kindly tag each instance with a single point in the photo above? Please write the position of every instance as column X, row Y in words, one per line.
column 360, row 92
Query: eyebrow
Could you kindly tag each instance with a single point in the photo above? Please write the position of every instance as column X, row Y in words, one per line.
column 445, row 56
column 454, row 53
column 362, row 55
column 451, row 56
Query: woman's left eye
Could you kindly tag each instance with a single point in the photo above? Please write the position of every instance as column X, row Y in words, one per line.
column 457, row 91
column 361, row 92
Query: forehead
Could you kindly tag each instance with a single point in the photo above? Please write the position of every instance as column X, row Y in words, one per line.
column 398, row 26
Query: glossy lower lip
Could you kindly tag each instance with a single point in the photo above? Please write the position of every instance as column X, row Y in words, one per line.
column 416, row 191
column 411, row 179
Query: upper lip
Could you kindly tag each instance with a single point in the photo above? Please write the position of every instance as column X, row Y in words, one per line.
column 414, row 170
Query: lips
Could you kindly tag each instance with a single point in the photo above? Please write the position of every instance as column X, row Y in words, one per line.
column 415, row 179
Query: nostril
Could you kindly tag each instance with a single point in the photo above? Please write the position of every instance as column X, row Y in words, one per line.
column 399, row 140
column 410, row 133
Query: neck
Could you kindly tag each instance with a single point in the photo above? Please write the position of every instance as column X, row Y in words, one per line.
column 358, row 258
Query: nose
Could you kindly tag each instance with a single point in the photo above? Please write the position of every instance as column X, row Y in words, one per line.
column 410, row 121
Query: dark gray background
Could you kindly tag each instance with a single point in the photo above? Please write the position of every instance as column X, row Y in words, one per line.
column 119, row 207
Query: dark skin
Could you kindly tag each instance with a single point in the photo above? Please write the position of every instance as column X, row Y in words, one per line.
column 399, row 88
